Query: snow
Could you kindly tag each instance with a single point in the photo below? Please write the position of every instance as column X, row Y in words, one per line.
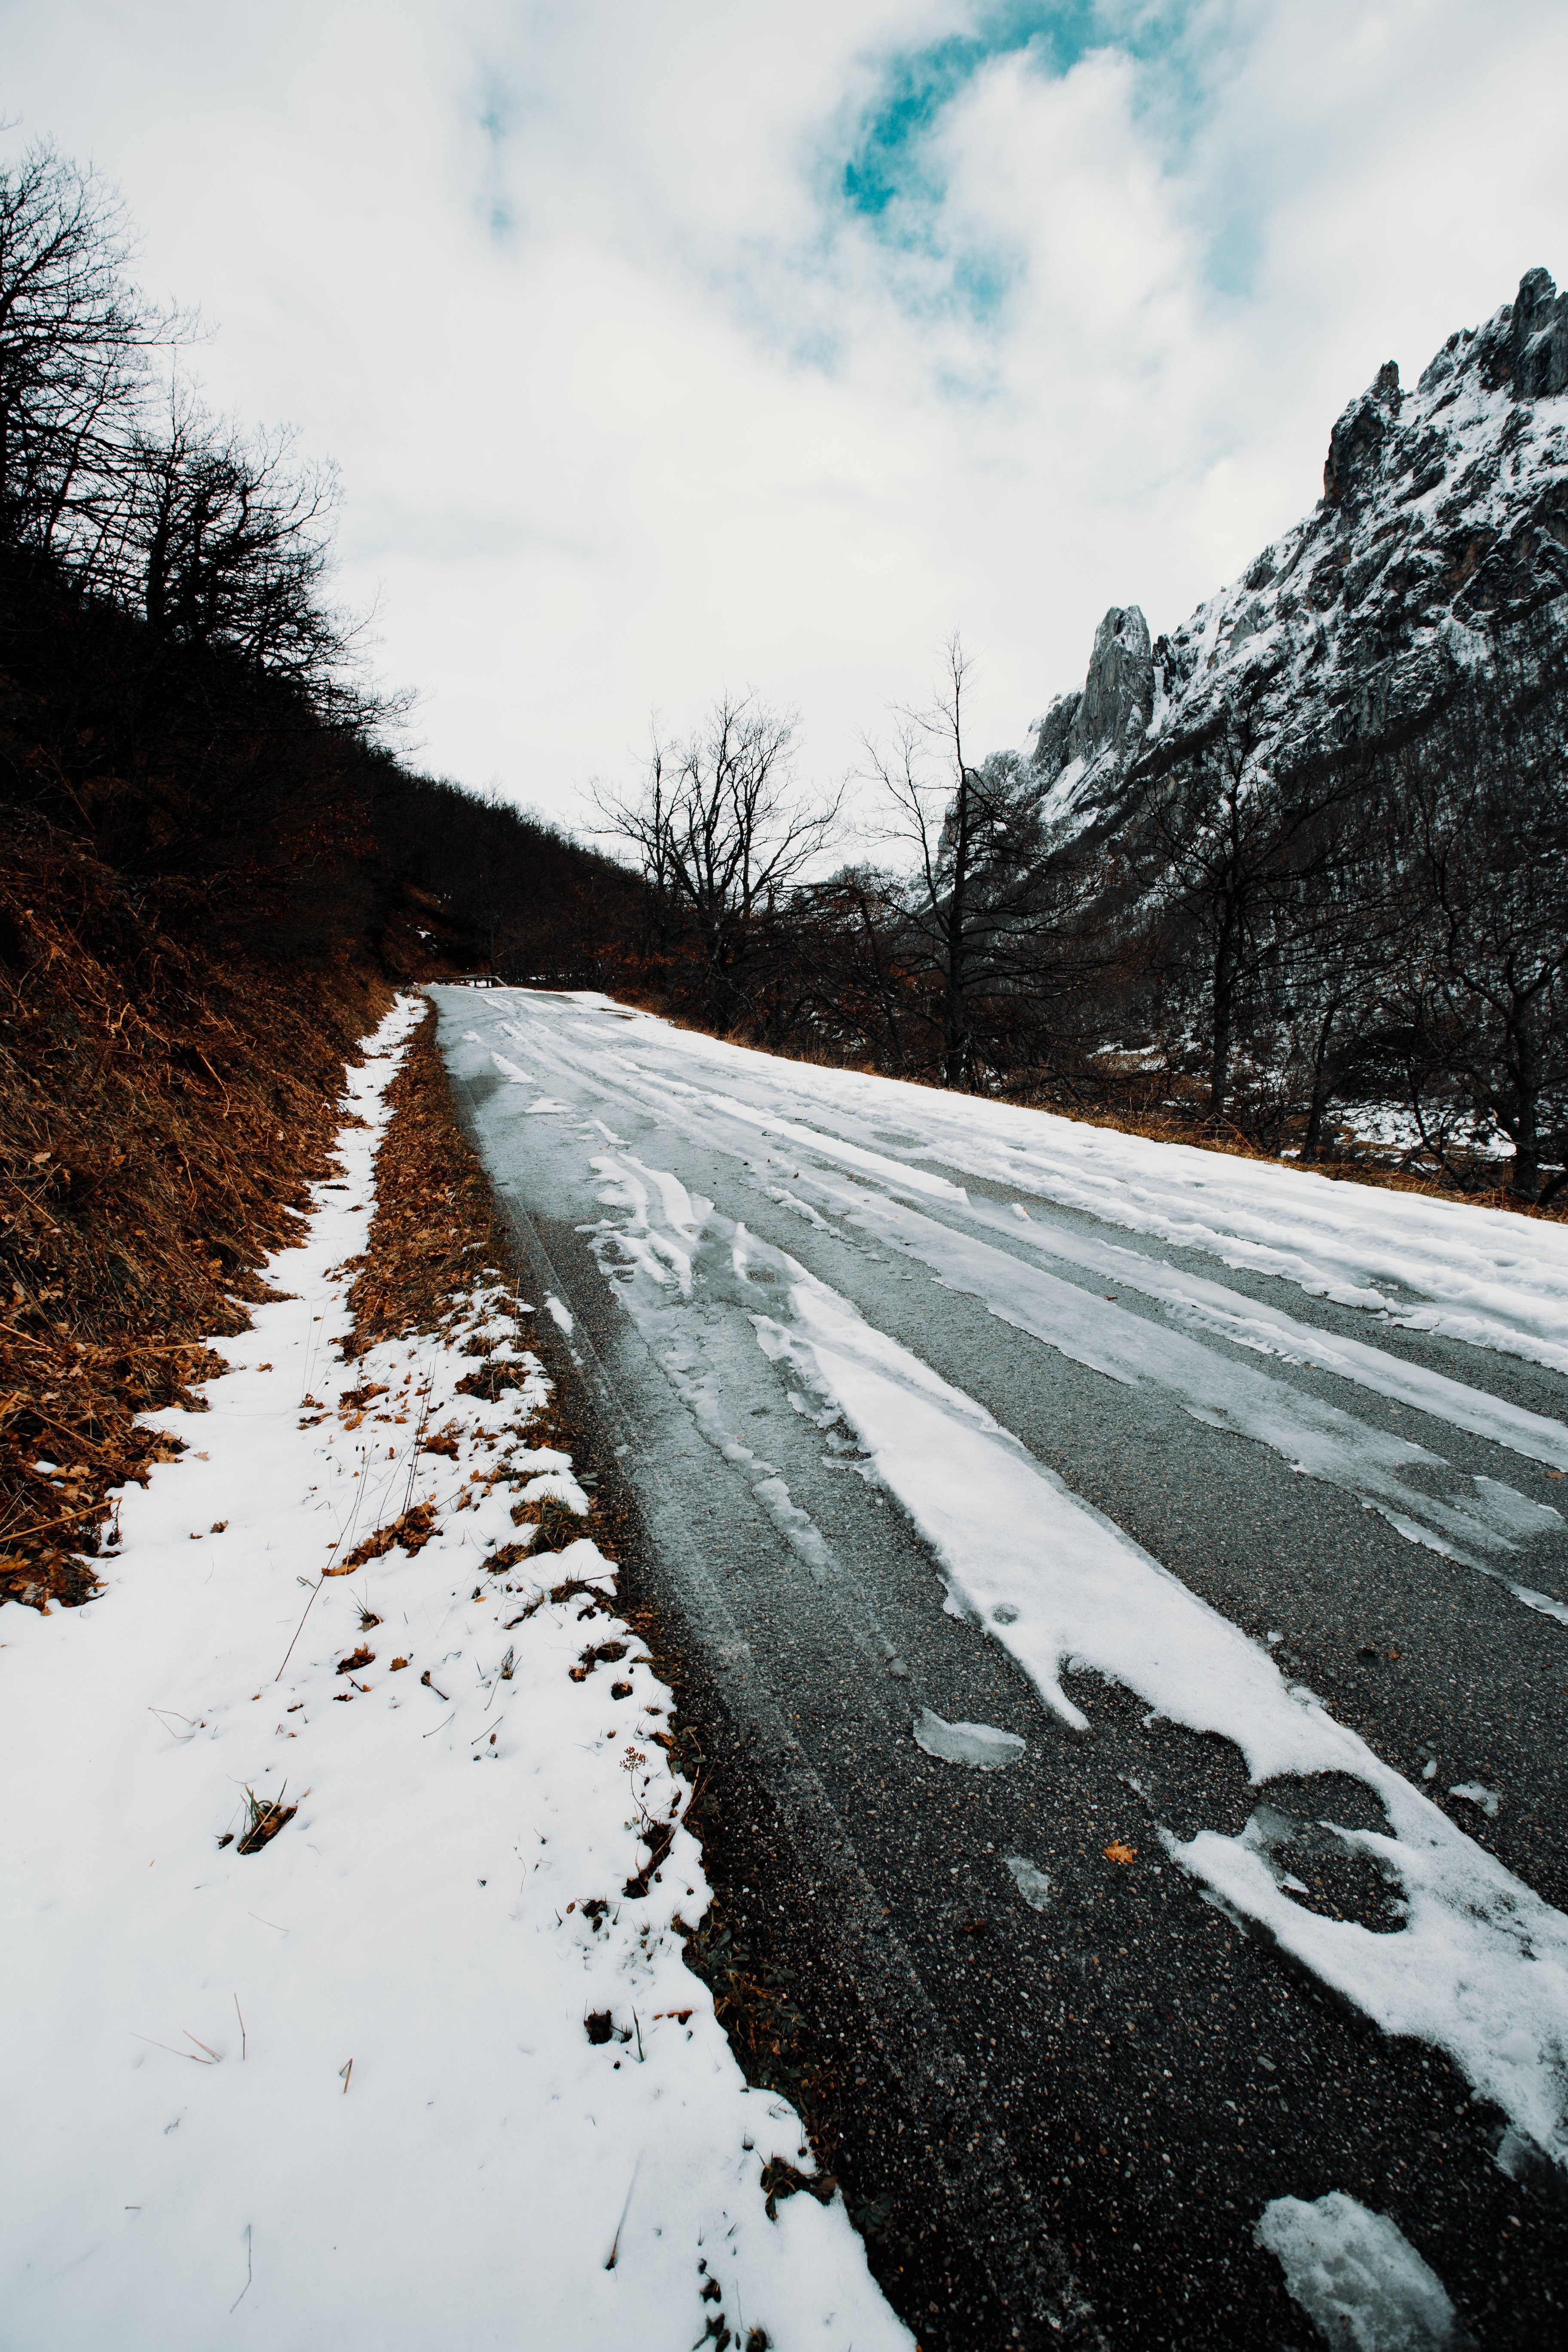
column 1474, row 1793
column 857, row 1148
column 1031, row 1882
column 980, row 1744
column 1477, row 1521
column 922, row 1179
column 1357, row 2276
column 1211, row 1306
column 1494, row 456
column 1481, row 1966
column 1484, row 1276
column 341, row 2089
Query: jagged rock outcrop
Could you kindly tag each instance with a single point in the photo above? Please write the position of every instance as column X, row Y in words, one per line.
column 1086, row 741
column 1439, row 548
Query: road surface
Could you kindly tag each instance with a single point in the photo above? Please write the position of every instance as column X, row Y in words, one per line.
column 1133, row 1588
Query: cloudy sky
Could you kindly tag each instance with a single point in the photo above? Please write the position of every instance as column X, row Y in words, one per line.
column 763, row 342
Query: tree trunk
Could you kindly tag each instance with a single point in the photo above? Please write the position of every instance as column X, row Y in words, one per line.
column 890, row 1013
column 955, row 1035
column 1223, row 1016
column 955, row 1026
column 1525, row 1180
column 1313, row 1137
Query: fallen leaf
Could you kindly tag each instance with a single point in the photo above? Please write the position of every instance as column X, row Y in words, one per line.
column 1117, row 1852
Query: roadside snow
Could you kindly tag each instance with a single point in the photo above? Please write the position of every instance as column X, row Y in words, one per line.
column 424, row 2068
column 1358, row 2278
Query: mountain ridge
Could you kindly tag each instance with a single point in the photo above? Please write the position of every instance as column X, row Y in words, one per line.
column 1439, row 549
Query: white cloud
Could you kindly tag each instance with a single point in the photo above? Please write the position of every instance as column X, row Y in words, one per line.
column 682, row 420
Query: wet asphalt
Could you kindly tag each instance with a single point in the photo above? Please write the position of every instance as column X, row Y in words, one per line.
column 1061, row 2125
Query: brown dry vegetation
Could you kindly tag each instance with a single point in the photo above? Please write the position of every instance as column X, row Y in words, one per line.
column 162, row 1108
column 435, row 1232
column 434, row 1226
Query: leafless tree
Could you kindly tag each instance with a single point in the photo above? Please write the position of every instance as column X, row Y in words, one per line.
column 939, row 810
column 990, row 907
column 1233, row 850
column 77, row 342
column 724, row 830
column 1487, row 805
column 227, row 536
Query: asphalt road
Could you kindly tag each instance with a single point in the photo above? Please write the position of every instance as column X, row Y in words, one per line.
column 1061, row 2123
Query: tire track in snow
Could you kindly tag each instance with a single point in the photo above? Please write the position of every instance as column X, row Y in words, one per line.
column 1480, row 1966
column 1477, row 1520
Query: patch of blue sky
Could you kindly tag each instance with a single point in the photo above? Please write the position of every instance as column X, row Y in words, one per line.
column 889, row 169
column 888, row 160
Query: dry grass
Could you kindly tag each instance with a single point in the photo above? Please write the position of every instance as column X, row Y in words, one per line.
column 162, row 1110
column 434, row 1229
column 436, row 1232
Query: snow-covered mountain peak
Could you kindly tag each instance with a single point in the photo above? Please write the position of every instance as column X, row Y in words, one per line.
column 1439, row 546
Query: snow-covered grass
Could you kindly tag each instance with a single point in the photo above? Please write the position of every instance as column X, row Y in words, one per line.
column 426, row 2065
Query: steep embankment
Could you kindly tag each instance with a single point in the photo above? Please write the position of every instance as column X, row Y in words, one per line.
column 162, row 1110
column 1439, row 552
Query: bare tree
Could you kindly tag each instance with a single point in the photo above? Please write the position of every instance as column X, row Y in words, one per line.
column 1488, row 808
column 724, row 830
column 940, row 808
column 230, row 541
column 75, row 346
column 1235, row 850
column 990, row 907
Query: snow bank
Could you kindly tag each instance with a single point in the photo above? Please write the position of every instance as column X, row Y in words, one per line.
column 425, row 2066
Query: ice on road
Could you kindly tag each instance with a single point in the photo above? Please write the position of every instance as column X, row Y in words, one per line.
column 926, row 1182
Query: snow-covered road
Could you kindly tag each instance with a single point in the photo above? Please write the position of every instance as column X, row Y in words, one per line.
column 1134, row 1546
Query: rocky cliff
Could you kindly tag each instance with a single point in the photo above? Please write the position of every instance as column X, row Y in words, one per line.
column 1439, row 547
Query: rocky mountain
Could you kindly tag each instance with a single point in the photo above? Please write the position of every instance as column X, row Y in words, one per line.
column 1439, row 547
